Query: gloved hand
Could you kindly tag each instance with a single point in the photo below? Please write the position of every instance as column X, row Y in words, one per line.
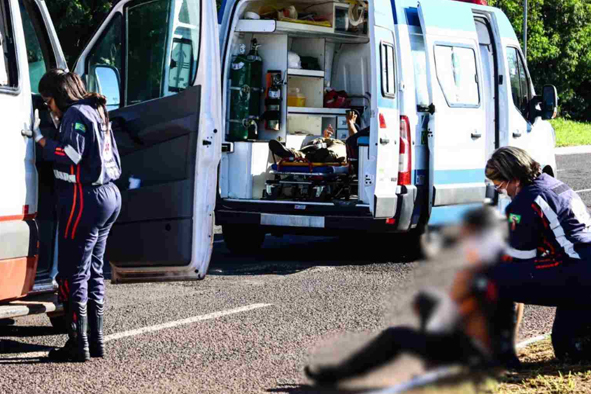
column 35, row 132
column 37, row 136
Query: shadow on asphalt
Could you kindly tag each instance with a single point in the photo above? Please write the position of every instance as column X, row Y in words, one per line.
column 8, row 347
column 292, row 254
column 305, row 389
column 26, row 331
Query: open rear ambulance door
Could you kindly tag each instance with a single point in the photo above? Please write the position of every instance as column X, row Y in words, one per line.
column 457, row 123
column 158, row 63
column 381, row 175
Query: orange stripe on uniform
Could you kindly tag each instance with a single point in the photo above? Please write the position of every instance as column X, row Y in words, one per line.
column 73, row 205
column 81, row 202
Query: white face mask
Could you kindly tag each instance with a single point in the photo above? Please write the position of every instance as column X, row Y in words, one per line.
column 501, row 190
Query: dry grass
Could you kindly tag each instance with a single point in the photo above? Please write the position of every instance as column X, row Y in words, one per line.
column 542, row 373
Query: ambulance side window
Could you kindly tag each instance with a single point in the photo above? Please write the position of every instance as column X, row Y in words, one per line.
column 388, row 70
column 8, row 60
column 162, row 48
column 519, row 82
column 104, row 64
column 457, row 75
column 39, row 53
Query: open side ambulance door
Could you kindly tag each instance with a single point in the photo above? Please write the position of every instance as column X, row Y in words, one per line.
column 380, row 177
column 457, row 124
column 158, row 63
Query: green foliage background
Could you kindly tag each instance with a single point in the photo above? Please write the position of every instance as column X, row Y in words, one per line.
column 558, row 47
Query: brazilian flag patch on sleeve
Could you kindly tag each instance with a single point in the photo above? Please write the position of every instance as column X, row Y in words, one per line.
column 80, row 127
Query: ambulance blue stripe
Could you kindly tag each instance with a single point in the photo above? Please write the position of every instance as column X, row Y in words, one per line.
column 447, row 177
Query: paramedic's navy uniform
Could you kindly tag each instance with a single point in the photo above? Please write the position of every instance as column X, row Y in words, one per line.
column 549, row 254
column 86, row 161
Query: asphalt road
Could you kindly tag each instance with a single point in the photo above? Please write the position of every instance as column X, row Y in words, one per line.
column 253, row 323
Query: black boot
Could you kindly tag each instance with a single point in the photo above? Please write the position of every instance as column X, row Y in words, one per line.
column 82, row 350
column 95, row 320
column 68, row 352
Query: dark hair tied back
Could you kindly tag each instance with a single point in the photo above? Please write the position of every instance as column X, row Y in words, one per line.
column 67, row 88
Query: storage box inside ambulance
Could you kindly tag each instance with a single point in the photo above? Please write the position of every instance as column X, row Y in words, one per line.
column 456, row 128
column 165, row 108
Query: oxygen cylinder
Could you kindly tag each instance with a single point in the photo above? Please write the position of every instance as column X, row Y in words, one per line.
column 245, row 94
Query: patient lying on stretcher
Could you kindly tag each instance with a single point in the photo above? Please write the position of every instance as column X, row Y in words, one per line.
column 325, row 149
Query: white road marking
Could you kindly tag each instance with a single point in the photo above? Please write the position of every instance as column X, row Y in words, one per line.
column 177, row 323
column 583, row 191
column 145, row 330
column 531, row 340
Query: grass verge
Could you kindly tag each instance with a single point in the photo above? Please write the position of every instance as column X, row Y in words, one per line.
column 542, row 373
column 571, row 133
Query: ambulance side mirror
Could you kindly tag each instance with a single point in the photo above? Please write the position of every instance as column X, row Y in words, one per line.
column 549, row 105
column 108, row 82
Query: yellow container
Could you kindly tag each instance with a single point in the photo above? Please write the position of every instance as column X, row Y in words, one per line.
column 295, row 98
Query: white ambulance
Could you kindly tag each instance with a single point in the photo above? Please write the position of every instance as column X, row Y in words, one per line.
column 438, row 83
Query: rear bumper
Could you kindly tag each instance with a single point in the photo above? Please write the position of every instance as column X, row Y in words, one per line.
column 46, row 303
column 294, row 217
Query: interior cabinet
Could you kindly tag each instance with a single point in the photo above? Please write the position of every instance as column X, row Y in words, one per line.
column 277, row 39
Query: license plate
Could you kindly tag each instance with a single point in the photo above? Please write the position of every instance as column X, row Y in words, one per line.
column 292, row 220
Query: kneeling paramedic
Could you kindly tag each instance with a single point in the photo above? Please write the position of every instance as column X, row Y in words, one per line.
column 548, row 261
column 85, row 163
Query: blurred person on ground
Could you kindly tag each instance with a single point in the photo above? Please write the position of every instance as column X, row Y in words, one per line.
column 468, row 326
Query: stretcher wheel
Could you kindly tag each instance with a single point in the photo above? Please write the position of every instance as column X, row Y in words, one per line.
column 243, row 238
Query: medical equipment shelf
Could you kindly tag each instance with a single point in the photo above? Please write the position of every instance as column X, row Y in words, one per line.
column 299, row 72
column 317, row 111
column 297, row 30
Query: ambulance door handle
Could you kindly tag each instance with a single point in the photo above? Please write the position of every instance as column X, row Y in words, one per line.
column 476, row 134
column 384, row 141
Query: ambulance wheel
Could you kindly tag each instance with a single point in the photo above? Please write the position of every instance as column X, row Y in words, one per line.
column 243, row 238
column 59, row 324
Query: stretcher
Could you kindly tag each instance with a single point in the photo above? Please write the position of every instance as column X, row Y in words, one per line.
column 300, row 179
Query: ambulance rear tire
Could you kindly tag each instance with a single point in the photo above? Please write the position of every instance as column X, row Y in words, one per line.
column 243, row 239
column 59, row 324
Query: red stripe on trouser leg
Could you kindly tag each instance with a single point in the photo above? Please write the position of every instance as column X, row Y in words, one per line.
column 81, row 203
column 73, row 205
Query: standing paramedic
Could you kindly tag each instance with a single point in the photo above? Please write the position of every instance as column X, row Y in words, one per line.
column 548, row 261
column 85, row 164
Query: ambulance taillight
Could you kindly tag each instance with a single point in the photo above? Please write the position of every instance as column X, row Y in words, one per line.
column 405, row 158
